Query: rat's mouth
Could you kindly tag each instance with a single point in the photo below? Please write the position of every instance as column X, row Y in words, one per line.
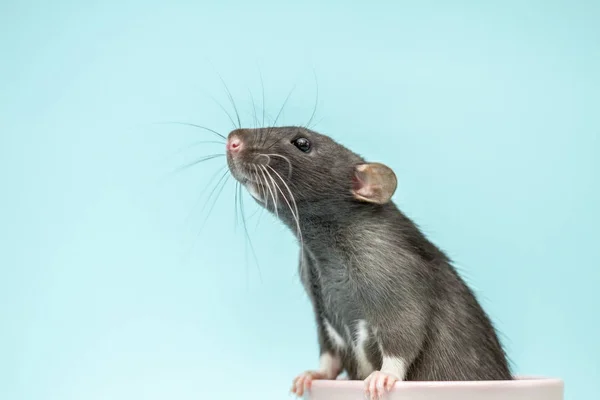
column 241, row 172
column 256, row 188
column 245, row 171
column 250, row 176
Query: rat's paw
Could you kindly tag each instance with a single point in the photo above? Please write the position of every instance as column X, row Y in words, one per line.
column 379, row 383
column 303, row 381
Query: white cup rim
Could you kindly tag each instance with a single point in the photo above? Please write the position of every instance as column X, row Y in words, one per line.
column 520, row 381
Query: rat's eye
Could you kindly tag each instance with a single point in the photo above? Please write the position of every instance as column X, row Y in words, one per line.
column 302, row 143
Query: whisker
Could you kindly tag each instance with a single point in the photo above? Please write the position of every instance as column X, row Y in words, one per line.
column 237, row 114
column 258, row 219
column 262, row 85
column 281, row 110
column 206, row 187
column 296, row 216
column 247, row 273
column 249, row 240
column 316, row 101
column 195, row 126
column 272, row 144
column 264, row 189
column 283, row 105
column 264, row 196
column 235, row 205
column 281, row 191
column 223, row 176
column 255, row 117
column 198, row 161
column 255, row 212
column 219, row 192
column 222, row 185
column 195, row 144
column 317, row 123
column 224, row 110
column 273, row 193
column 285, row 158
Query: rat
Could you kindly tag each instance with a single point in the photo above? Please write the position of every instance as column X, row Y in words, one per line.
column 388, row 304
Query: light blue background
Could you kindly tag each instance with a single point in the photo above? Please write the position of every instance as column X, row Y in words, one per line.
column 488, row 112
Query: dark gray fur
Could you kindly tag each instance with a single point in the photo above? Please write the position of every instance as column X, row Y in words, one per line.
column 369, row 261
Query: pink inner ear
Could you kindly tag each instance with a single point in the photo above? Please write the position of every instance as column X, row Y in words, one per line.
column 357, row 184
column 361, row 187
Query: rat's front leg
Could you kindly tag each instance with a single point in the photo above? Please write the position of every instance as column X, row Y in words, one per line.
column 330, row 362
column 399, row 345
column 330, row 366
column 378, row 383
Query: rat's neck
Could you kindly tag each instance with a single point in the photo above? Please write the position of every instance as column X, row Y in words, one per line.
column 322, row 220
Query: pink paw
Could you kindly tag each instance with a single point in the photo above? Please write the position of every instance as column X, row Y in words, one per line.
column 379, row 383
column 303, row 381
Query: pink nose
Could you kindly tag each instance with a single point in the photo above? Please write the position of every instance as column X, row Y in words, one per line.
column 234, row 144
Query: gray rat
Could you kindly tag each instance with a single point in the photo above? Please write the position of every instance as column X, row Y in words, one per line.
column 389, row 306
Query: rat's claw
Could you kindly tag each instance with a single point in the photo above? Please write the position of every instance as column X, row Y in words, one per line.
column 377, row 384
column 303, row 381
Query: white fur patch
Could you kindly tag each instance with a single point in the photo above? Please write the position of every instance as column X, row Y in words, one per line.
column 331, row 365
column 394, row 366
column 362, row 335
column 253, row 192
column 336, row 338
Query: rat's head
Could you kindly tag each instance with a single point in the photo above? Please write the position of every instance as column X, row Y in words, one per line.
column 295, row 164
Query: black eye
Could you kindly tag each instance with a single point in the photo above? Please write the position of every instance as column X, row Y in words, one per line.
column 302, row 143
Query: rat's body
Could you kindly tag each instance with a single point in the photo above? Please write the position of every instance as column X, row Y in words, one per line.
column 375, row 278
column 388, row 304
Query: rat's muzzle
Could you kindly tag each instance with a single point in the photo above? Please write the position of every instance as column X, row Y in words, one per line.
column 237, row 154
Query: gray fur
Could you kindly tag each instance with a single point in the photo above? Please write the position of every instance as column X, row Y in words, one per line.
column 364, row 261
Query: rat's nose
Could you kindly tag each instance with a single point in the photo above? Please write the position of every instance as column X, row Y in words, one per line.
column 234, row 144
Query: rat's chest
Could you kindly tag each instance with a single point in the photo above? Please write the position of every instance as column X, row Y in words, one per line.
column 333, row 291
column 342, row 317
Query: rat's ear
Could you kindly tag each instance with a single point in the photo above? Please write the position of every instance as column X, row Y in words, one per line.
column 374, row 183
